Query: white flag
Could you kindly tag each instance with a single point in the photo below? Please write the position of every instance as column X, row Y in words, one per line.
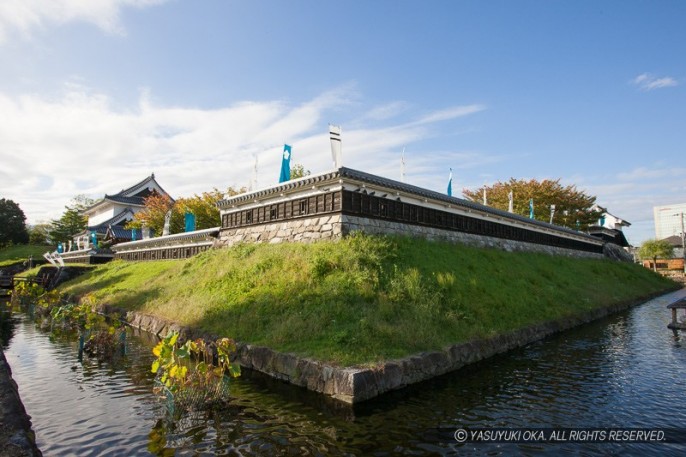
column 510, row 206
column 167, row 222
column 336, row 152
column 253, row 181
column 402, row 166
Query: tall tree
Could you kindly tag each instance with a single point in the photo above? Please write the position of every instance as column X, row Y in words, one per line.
column 655, row 249
column 39, row 234
column 572, row 206
column 12, row 224
column 72, row 220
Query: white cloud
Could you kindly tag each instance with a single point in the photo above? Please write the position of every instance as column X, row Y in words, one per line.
column 387, row 111
column 647, row 82
column 450, row 113
column 80, row 143
column 651, row 173
column 25, row 16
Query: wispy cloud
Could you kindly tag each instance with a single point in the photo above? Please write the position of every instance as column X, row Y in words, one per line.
column 450, row 113
column 26, row 16
column 632, row 194
column 83, row 143
column 651, row 173
column 648, row 82
column 386, row 111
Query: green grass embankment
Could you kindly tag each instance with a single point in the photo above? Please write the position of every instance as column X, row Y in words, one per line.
column 364, row 299
column 21, row 252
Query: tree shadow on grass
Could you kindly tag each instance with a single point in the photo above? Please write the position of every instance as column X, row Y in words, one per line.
column 79, row 290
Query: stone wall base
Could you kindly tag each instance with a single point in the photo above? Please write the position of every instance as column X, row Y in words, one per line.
column 335, row 226
column 307, row 229
column 357, row 384
column 378, row 226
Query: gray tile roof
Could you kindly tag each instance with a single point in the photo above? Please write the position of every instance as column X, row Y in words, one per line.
column 140, row 201
column 123, row 196
column 128, row 190
column 169, row 240
column 119, row 232
column 674, row 240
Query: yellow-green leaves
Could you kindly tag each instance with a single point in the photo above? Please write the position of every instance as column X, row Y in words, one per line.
column 180, row 376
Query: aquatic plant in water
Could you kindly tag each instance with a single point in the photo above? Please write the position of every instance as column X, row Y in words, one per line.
column 97, row 338
column 187, row 375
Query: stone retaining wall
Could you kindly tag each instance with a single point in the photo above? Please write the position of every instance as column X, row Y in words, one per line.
column 378, row 226
column 336, row 226
column 356, row 384
column 303, row 230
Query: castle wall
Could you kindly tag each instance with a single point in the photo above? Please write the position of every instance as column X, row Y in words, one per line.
column 334, row 226
column 307, row 229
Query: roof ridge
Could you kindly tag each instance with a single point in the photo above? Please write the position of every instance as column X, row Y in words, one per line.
column 138, row 184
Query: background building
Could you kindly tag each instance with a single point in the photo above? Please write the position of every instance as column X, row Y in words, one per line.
column 108, row 216
column 668, row 220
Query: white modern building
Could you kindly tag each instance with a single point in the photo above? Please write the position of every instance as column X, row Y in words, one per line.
column 668, row 220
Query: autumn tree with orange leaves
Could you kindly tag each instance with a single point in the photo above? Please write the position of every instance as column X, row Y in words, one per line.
column 203, row 206
column 571, row 204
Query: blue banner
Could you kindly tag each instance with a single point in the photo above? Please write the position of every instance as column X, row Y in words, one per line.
column 134, row 234
column 190, row 222
column 94, row 239
column 450, row 184
column 285, row 164
column 531, row 208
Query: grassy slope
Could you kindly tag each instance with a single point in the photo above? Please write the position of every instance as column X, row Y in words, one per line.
column 20, row 253
column 364, row 299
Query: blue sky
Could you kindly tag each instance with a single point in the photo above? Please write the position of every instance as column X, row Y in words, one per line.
column 96, row 95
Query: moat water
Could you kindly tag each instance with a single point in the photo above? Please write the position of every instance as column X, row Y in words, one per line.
column 624, row 371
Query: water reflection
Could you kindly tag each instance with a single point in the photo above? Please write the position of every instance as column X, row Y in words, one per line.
column 623, row 371
column 7, row 325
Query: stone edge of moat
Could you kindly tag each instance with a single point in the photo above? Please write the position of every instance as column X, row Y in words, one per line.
column 16, row 435
column 357, row 384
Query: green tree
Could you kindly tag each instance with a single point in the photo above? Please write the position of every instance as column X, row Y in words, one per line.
column 72, row 220
column 39, row 234
column 204, row 207
column 12, row 224
column 298, row 171
column 655, row 249
column 571, row 204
